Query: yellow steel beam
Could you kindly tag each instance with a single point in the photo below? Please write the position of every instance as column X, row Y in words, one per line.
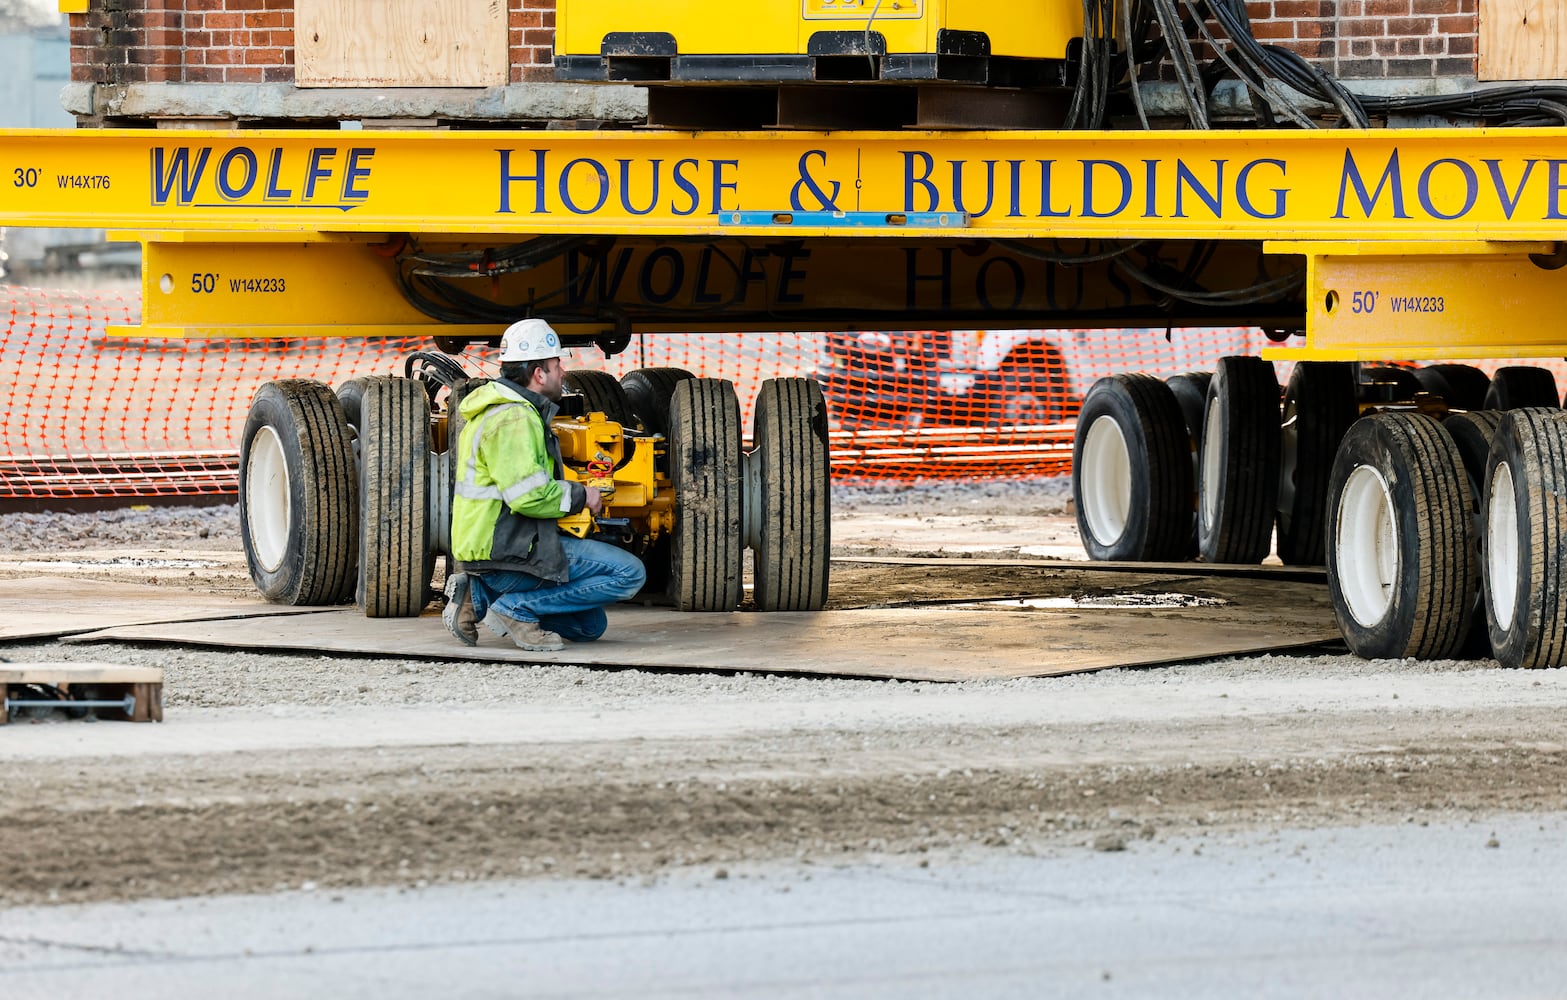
column 1418, row 301
column 1437, row 184
column 311, row 285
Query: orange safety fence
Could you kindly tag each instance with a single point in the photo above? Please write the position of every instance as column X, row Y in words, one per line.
column 89, row 415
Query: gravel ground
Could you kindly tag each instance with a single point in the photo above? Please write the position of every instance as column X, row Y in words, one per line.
column 278, row 768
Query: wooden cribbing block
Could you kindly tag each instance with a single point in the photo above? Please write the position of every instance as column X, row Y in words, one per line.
column 88, row 682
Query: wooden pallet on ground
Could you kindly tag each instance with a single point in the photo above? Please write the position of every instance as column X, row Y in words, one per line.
column 107, row 690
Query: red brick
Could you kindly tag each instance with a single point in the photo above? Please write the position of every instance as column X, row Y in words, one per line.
column 165, row 74
column 1315, row 29
column 243, row 5
column 1433, row 46
column 1420, row 26
column 224, row 20
column 1387, row 8
column 264, row 19
column 1409, row 69
column 225, row 57
column 277, row 74
column 1303, row 8
column 1457, row 24
column 1273, row 30
column 164, row 36
column 153, row 18
column 221, row 39
column 1361, row 68
column 242, row 74
column 549, row 18
column 538, row 36
column 1461, row 45
column 203, row 5
column 1386, row 46
column 203, row 74
column 1410, row 46
column 263, row 57
column 1368, row 27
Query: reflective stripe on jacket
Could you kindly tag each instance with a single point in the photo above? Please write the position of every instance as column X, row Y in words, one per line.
column 510, row 489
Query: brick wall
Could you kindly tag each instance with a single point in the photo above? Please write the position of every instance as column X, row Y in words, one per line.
column 252, row 41
column 532, row 40
column 1404, row 39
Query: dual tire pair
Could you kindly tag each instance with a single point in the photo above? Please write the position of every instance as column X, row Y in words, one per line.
column 1451, row 537
column 342, row 497
column 1200, row 465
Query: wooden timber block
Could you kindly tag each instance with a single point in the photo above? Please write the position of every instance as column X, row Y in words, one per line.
column 93, row 681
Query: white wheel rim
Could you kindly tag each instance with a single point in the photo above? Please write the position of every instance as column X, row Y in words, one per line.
column 266, row 499
column 1367, row 546
column 1212, row 464
column 1106, row 476
column 1501, row 545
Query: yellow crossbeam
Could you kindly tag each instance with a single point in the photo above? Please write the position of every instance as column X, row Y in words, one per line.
column 1438, row 184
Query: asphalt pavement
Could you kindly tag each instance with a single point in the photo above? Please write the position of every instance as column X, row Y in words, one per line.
column 1468, row 909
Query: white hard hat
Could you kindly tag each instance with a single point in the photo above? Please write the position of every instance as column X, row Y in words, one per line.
column 530, row 340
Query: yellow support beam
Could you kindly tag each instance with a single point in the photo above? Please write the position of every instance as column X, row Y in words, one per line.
column 1423, row 185
column 1417, row 301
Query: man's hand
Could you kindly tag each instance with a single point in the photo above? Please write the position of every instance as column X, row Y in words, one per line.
column 595, row 502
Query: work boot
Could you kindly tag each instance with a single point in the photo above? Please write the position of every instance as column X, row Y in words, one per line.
column 495, row 622
column 458, row 613
column 527, row 635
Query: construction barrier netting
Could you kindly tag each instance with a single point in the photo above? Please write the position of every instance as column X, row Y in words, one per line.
column 86, row 414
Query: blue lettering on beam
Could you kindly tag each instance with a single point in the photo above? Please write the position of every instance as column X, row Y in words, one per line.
column 1103, row 188
column 1471, row 188
column 1390, row 179
column 188, row 176
column 584, row 185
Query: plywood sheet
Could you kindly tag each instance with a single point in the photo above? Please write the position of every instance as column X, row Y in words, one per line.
column 904, row 643
column 46, row 607
column 400, row 43
column 1523, row 39
column 40, row 672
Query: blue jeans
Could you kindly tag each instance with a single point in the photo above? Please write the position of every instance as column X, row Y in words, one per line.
column 600, row 574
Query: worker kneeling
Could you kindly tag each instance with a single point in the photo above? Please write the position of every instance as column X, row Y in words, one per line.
column 521, row 575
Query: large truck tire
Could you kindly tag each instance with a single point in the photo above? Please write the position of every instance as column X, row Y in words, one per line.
column 1462, row 387
column 391, row 421
column 1191, row 392
column 1320, row 402
column 1402, row 564
column 790, row 469
column 1132, row 471
column 1525, row 566
column 298, row 497
column 648, row 391
column 1238, row 484
column 601, row 393
column 706, row 549
column 1518, row 386
column 1473, row 432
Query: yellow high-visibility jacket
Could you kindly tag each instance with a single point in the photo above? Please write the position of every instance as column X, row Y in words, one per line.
column 510, row 488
